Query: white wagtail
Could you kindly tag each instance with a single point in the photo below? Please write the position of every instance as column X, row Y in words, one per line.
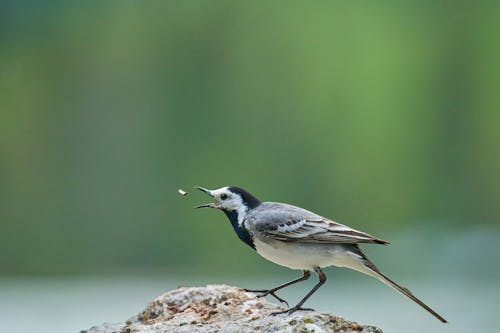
column 299, row 239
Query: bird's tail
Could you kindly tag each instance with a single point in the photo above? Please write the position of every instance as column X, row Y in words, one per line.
column 372, row 270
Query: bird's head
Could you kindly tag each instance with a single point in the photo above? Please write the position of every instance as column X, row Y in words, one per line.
column 230, row 198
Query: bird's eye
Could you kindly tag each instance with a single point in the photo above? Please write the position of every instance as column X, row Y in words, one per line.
column 223, row 196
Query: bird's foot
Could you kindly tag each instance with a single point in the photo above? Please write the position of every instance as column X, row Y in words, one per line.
column 255, row 290
column 292, row 310
column 265, row 292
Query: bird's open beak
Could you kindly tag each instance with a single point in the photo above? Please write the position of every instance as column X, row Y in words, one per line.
column 209, row 205
column 204, row 190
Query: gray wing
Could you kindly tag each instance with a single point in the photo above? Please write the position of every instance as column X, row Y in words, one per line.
column 293, row 224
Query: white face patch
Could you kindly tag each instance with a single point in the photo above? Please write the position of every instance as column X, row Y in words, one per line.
column 228, row 200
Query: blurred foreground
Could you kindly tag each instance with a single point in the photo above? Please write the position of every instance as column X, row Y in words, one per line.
column 466, row 295
column 61, row 306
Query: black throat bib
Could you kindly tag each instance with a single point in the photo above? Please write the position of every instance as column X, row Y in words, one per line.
column 241, row 231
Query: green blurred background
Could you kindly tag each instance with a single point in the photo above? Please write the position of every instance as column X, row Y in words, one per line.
column 383, row 116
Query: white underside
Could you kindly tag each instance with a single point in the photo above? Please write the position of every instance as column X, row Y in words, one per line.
column 309, row 255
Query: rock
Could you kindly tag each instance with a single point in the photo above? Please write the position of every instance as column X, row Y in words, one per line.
column 220, row 308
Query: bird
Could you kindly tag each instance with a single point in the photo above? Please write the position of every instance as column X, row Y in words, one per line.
column 299, row 239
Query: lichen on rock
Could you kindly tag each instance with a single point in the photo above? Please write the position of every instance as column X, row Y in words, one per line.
column 221, row 308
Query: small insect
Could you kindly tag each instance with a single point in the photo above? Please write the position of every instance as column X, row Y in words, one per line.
column 182, row 192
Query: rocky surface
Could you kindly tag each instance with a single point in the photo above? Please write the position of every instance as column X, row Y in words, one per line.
column 220, row 308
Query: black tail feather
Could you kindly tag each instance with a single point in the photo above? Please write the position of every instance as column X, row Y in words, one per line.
column 388, row 281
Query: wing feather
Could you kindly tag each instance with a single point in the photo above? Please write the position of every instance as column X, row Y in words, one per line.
column 316, row 230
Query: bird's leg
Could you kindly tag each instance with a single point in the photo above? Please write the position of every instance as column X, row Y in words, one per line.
column 272, row 291
column 322, row 279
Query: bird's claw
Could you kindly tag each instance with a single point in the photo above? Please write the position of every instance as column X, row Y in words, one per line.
column 292, row 310
column 265, row 292
column 255, row 290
